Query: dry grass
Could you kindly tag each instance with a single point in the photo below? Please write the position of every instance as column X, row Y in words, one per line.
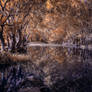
column 9, row 58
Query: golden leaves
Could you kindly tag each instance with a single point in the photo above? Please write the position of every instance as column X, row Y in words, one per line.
column 4, row 19
column 2, row 2
column 74, row 3
column 49, row 5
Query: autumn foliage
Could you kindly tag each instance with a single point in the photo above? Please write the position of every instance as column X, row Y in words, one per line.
column 23, row 21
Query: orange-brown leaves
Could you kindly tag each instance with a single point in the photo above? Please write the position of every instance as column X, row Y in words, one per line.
column 49, row 5
column 2, row 3
column 4, row 19
column 57, row 34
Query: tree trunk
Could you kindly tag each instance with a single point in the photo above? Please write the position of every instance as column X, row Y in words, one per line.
column 20, row 38
column 2, row 39
column 13, row 43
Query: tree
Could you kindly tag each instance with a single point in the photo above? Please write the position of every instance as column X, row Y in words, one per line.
column 13, row 16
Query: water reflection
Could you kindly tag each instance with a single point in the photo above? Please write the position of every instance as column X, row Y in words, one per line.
column 59, row 67
column 61, row 54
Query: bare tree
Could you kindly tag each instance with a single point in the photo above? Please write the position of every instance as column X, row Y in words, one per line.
column 13, row 16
